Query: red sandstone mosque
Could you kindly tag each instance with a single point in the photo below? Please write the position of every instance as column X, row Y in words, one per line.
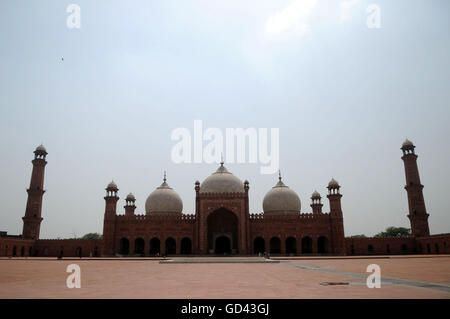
column 222, row 223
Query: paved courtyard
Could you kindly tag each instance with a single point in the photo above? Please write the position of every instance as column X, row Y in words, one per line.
column 402, row 277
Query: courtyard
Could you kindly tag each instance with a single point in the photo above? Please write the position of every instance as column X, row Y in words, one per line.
column 419, row 276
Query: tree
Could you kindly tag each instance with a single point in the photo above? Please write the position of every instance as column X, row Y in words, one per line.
column 92, row 236
column 358, row 236
column 395, row 232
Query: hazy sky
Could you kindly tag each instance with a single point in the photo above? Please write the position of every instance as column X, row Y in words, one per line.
column 343, row 96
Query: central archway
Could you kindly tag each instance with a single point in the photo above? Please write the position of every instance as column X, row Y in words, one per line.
column 222, row 245
column 222, row 232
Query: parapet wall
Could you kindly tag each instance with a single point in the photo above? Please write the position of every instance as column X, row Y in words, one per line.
column 68, row 248
column 16, row 246
column 189, row 218
column 434, row 244
column 288, row 217
column 380, row 246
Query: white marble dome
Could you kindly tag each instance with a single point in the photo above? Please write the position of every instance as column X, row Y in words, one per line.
column 222, row 181
column 281, row 199
column 164, row 200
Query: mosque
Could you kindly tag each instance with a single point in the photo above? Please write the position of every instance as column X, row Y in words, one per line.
column 222, row 223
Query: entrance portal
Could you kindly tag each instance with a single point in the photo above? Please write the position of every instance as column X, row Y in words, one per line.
column 222, row 232
column 223, row 245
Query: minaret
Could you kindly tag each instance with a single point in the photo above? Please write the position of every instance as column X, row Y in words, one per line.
column 130, row 205
column 417, row 212
column 316, row 203
column 32, row 219
column 334, row 197
column 109, row 221
column 111, row 199
column 336, row 218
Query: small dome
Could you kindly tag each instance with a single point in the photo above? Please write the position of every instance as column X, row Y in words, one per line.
column 163, row 200
column 41, row 149
column 130, row 197
column 315, row 195
column 333, row 184
column 112, row 186
column 222, row 181
column 281, row 199
column 407, row 144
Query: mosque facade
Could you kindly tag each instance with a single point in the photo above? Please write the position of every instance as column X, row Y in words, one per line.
column 222, row 223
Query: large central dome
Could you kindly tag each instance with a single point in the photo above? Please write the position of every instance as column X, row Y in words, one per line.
column 222, row 181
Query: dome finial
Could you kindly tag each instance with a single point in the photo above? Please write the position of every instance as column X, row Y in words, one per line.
column 221, row 159
column 164, row 183
column 280, row 182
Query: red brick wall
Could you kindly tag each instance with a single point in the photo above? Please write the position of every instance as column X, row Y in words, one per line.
column 150, row 226
column 178, row 227
column 22, row 246
column 434, row 244
column 53, row 247
column 380, row 246
column 284, row 226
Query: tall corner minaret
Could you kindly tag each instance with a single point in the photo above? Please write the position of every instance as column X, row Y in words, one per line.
column 32, row 219
column 337, row 221
column 417, row 212
column 109, row 221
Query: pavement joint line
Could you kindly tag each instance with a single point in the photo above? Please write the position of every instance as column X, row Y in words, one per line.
column 219, row 261
column 384, row 280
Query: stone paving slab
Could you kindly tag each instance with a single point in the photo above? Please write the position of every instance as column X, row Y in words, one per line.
column 150, row 279
column 303, row 257
column 432, row 270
